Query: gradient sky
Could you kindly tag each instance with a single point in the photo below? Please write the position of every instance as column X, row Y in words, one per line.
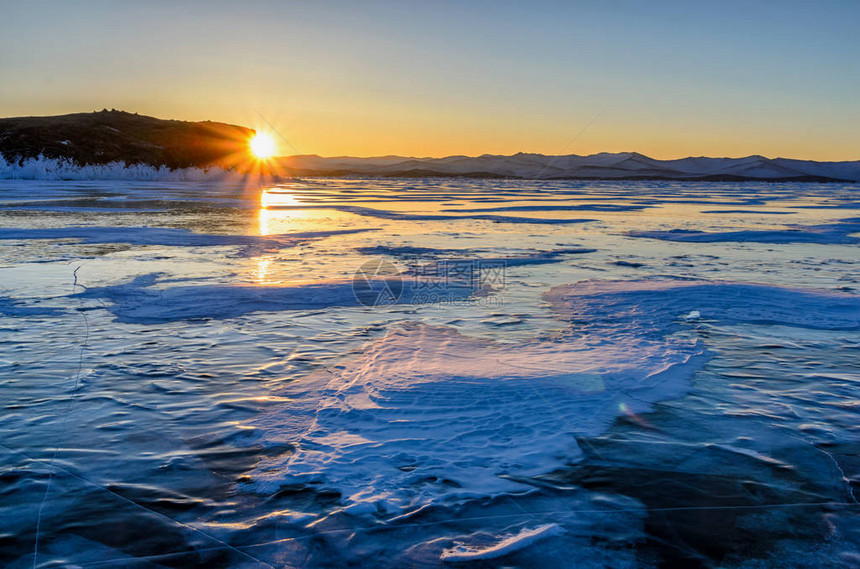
column 668, row 79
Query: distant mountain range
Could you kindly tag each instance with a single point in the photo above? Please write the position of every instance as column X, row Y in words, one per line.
column 621, row 166
column 117, row 136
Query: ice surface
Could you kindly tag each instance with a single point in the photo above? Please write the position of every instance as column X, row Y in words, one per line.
column 537, row 258
column 168, row 237
column 447, row 261
column 546, row 207
column 223, row 393
column 838, row 233
column 385, row 214
column 749, row 211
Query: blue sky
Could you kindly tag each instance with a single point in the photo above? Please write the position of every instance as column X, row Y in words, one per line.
column 669, row 79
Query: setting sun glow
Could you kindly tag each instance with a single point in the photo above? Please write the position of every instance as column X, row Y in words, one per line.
column 262, row 146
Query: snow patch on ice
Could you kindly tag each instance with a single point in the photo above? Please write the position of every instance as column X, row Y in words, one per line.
column 652, row 305
column 16, row 309
column 507, row 545
column 138, row 301
column 428, row 415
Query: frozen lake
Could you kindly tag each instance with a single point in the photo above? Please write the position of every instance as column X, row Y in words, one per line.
column 428, row 373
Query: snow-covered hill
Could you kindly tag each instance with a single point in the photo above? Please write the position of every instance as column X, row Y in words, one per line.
column 625, row 165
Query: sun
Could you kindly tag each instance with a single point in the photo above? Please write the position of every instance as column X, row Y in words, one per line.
column 262, row 146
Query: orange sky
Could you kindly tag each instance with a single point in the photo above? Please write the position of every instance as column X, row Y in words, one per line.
column 668, row 79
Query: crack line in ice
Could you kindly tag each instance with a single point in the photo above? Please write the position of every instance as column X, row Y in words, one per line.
column 838, row 466
column 847, row 481
column 68, row 411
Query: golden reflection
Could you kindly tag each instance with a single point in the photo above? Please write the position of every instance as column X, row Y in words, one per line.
column 277, row 198
column 281, row 221
column 282, row 213
column 275, row 221
column 266, row 219
column 263, row 269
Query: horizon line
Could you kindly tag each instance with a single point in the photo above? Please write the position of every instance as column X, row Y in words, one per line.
column 486, row 154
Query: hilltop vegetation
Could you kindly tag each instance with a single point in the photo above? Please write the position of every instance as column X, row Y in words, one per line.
column 112, row 136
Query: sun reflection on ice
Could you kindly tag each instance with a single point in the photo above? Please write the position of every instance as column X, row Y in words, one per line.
column 276, row 222
column 263, row 269
column 270, row 198
column 264, row 222
column 277, row 198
